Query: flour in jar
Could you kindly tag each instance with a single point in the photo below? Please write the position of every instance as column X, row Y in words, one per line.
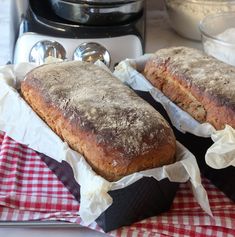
column 185, row 16
column 224, row 51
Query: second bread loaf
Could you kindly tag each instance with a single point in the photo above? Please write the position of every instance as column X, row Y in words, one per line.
column 199, row 84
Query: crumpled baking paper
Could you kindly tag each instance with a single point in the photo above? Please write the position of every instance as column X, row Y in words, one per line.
column 22, row 124
column 221, row 154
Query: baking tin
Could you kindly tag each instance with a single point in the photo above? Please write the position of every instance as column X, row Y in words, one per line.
column 145, row 198
column 224, row 179
column 148, row 197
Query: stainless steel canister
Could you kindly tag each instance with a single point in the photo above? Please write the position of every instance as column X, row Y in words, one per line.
column 98, row 12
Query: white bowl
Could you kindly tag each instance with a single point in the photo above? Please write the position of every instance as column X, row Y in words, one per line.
column 185, row 15
column 218, row 36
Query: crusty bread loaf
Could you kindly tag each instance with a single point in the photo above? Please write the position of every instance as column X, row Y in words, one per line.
column 117, row 132
column 199, row 84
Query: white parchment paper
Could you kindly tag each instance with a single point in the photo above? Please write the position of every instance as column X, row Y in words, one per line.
column 19, row 121
column 221, row 154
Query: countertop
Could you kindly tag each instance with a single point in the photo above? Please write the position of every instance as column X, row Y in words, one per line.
column 158, row 35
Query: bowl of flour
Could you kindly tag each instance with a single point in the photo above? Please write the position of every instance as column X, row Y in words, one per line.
column 186, row 15
column 218, row 36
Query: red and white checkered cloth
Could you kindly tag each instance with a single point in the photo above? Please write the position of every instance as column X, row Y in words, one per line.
column 29, row 190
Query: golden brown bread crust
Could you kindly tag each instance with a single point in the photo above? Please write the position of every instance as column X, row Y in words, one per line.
column 117, row 132
column 199, row 84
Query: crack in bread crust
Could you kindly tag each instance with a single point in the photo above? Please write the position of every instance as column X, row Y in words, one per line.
column 162, row 80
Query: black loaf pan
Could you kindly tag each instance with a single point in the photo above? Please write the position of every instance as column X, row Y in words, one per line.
column 145, row 198
column 223, row 179
column 148, row 197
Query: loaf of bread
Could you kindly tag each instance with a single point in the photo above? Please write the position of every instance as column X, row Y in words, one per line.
column 117, row 132
column 199, row 84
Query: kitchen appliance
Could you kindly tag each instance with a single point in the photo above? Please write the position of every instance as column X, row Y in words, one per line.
column 109, row 30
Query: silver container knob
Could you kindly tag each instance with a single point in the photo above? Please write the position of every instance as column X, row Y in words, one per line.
column 42, row 50
column 91, row 52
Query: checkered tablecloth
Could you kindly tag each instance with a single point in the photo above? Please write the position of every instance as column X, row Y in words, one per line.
column 29, row 190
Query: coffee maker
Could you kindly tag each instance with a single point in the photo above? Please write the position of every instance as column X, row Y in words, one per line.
column 108, row 30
